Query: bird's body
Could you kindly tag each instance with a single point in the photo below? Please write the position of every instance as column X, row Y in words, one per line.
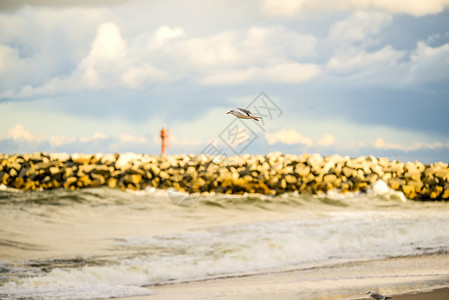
column 242, row 113
column 377, row 296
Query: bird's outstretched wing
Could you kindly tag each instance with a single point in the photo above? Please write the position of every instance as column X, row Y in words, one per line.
column 245, row 111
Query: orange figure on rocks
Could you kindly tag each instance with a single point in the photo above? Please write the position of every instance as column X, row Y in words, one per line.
column 164, row 137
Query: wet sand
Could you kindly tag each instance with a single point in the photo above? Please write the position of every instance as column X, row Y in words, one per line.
column 438, row 294
column 399, row 277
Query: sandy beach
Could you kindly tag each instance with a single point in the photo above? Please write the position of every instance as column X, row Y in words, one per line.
column 420, row 277
column 437, row 294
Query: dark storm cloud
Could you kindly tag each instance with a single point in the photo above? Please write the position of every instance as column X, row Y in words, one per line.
column 424, row 112
column 406, row 30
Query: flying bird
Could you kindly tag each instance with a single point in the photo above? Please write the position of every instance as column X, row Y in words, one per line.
column 377, row 296
column 242, row 113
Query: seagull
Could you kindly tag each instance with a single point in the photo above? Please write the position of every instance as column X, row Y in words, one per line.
column 242, row 113
column 377, row 296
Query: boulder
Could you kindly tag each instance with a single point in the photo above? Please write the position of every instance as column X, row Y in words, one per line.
column 81, row 158
column 315, row 161
column 409, row 191
column 112, row 182
column 108, row 159
column 62, row 157
column 18, row 182
column 302, row 170
column 70, row 182
column 290, row 179
column 127, row 159
column 349, row 172
column 307, row 173
column 396, row 183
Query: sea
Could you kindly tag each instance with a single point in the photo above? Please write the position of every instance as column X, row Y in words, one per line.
column 105, row 243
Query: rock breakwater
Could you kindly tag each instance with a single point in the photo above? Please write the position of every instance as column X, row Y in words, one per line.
column 274, row 173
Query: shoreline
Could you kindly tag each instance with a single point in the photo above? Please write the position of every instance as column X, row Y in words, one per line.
column 436, row 294
column 271, row 174
column 416, row 277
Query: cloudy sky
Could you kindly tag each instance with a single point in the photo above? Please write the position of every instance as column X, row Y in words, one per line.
column 349, row 77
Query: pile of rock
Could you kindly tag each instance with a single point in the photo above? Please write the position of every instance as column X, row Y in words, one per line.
column 273, row 173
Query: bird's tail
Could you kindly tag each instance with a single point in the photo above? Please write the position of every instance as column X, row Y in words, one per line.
column 387, row 298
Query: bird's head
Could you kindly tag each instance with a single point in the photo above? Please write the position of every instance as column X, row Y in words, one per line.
column 368, row 292
column 230, row 112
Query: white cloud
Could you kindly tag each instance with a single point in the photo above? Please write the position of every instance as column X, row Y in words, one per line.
column 256, row 54
column 255, row 46
column 290, row 8
column 19, row 139
column 289, row 137
column 380, row 143
column 327, row 140
column 108, row 44
column 109, row 63
column 282, row 73
column 95, row 136
column 293, row 137
column 165, row 33
column 91, row 57
column 429, row 64
column 96, row 70
column 48, row 44
column 351, row 39
column 359, row 29
column 105, row 59
column 19, row 132
column 354, row 61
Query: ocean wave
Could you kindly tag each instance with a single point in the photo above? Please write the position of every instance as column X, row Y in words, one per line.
column 104, row 195
column 234, row 250
column 139, row 239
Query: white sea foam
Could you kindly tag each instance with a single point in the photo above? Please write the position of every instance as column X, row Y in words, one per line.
column 9, row 189
column 84, row 283
column 380, row 188
column 148, row 191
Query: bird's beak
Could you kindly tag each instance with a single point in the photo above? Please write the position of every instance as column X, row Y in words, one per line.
column 367, row 293
column 228, row 112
